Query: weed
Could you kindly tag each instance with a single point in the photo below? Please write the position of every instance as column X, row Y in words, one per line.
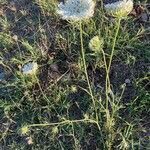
column 91, row 90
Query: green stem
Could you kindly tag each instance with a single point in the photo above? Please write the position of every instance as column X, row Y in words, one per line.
column 62, row 123
column 108, row 88
column 85, row 70
column 110, row 60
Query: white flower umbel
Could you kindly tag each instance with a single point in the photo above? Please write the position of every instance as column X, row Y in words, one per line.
column 29, row 68
column 120, row 8
column 75, row 10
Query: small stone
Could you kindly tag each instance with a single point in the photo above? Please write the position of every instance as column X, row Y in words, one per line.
column 144, row 17
column 15, row 38
column 29, row 140
column 127, row 81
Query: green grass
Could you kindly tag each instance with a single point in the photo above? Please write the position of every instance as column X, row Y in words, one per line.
column 55, row 109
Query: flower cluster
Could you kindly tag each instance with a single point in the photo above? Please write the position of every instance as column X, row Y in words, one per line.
column 119, row 8
column 96, row 44
column 76, row 9
column 30, row 68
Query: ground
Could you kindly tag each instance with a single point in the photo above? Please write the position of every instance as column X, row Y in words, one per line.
column 53, row 110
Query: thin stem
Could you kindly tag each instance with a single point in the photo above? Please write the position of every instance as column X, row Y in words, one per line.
column 110, row 60
column 85, row 70
column 62, row 123
column 107, row 80
column 114, row 43
column 109, row 117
